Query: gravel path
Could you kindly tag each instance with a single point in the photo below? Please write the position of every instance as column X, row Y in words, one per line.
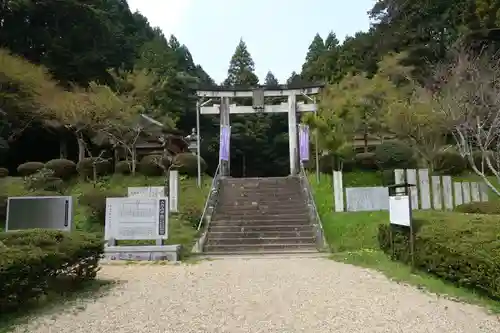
column 261, row 295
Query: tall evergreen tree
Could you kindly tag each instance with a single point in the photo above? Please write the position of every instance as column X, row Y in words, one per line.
column 271, row 80
column 312, row 69
column 241, row 70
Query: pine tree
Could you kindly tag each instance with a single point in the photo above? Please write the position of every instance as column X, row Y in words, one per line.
column 271, row 80
column 331, row 41
column 241, row 68
column 312, row 68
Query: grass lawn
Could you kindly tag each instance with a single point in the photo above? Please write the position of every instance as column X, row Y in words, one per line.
column 181, row 230
column 352, row 238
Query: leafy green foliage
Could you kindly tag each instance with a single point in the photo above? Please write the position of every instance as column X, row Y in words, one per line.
column 123, row 167
column 462, row 249
column 450, row 162
column 187, row 164
column 95, row 202
column 394, row 155
column 44, row 180
column 93, row 166
column 153, row 165
column 34, row 262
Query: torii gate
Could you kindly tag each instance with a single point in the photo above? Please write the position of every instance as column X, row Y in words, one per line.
column 225, row 109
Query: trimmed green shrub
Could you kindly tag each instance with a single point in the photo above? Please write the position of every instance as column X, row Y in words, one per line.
column 450, row 163
column 44, row 180
column 365, row 161
column 488, row 208
column 462, row 249
column 153, row 166
column 29, row 168
column 123, row 168
column 35, row 262
column 4, row 172
column 394, row 155
column 63, row 168
column 95, row 201
column 85, row 167
column 187, row 164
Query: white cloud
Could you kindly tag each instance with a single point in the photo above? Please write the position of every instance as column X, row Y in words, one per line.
column 168, row 15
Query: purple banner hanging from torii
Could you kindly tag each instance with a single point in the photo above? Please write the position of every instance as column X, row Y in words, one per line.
column 304, row 142
column 225, row 135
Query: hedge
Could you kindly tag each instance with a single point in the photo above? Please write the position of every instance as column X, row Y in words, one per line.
column 488, row 207
column 35, row 262
column 462, row 249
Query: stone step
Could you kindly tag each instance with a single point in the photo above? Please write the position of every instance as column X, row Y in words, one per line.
column 265, row 218
column 260, row 234
column 259, row 241
column 248, row 224
column 251, row 228
column 239, row 201
column 255, row 206
column 263, row 248
column 277, row 210
column 261, row 197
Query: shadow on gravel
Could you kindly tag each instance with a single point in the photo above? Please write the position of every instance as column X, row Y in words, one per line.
column 57, row 301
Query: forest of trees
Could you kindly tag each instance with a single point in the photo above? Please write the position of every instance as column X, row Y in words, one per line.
column 76, row 68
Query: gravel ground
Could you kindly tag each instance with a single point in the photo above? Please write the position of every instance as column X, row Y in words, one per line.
column 261, row 295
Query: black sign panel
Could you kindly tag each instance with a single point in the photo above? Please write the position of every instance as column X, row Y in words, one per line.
column 162, row 223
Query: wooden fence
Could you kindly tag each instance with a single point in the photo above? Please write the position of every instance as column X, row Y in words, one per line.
column 430, row 192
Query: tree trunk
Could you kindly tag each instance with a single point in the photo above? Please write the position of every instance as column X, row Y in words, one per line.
column 81, row 147
column 133, row 162
column 63, row 149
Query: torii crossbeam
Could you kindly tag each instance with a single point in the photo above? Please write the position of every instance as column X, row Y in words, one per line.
column 258, row 94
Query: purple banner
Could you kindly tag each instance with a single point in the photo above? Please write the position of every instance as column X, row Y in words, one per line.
column 225, row 134
column 304, row 142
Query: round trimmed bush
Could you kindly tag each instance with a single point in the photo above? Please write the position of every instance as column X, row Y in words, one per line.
column 85, row 167
column 95, row 201
column 152, row 166
column 123, row 168
column 187, row 164
column 450, row 163
column 365, row 161
column 29, row 168
column 394, row 155
column 4, row 172
column 62, row 168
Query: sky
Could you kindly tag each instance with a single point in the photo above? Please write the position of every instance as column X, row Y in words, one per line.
column 277, row 32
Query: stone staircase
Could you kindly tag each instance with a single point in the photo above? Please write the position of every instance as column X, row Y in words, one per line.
column 260, row 215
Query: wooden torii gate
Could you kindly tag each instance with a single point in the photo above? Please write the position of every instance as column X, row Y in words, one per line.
column 292, row 107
